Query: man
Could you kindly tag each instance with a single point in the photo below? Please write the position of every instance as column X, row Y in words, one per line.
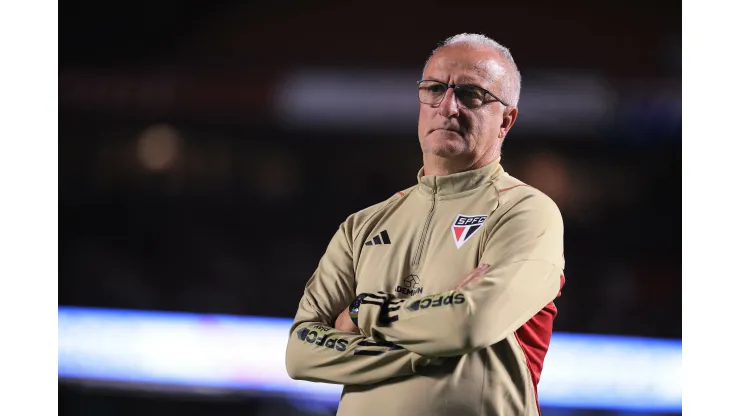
column 423, row 334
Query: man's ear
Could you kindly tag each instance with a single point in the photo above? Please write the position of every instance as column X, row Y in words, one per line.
column 510, row 114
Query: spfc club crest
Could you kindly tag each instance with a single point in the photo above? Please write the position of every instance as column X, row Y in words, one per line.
column 465, row 226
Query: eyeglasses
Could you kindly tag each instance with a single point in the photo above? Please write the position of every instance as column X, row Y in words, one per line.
column 471, row 96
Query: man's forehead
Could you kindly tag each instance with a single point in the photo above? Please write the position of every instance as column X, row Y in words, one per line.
column 473, row 66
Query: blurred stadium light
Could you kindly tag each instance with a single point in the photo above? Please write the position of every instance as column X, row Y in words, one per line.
column 572, row 102
column 219, row 354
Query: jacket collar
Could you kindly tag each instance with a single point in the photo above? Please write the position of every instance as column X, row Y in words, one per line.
column 443, row 185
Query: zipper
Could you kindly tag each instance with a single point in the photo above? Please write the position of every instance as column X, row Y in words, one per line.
column 420, row 247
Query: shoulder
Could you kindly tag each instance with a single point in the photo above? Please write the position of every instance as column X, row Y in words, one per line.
column 356, row 221
column 515, row 196
column 529, row 224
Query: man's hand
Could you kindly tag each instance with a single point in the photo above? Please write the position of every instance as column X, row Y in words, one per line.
column 344, row 323
column 473, row 276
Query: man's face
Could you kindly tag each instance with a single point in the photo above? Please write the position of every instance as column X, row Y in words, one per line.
column 451, row 130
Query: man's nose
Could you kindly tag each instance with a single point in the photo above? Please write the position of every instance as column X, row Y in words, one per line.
column 449, row 105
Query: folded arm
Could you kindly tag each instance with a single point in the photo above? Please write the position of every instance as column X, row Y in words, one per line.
column 318, row 352
column 524, row 251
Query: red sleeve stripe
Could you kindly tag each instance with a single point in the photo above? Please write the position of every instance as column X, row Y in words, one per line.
column 511, row 187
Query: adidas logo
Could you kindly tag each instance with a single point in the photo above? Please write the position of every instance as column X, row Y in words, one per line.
column 379, row 239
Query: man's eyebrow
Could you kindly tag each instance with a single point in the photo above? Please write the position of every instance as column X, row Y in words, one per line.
column 431, row 78
column 463, row 80
column 469, row 80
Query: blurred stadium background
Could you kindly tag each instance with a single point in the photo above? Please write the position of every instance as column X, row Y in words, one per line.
column 209, row 150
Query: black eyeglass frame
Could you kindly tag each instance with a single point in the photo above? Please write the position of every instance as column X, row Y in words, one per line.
column 454, row 88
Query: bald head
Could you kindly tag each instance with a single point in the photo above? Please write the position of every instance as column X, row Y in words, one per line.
column 498, row 62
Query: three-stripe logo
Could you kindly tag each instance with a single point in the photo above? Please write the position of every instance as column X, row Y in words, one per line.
column 379, row 239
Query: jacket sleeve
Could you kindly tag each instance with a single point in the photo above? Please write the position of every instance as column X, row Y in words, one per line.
column 525, row 252
column 318, row 352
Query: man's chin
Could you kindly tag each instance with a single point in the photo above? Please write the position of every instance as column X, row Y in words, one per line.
column 446, row 146
column 445, row 150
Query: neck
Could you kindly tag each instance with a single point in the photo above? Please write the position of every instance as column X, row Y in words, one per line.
column 446, row 185
column 441, row 166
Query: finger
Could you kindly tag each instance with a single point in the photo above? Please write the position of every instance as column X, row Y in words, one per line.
column 464, row 282
column 467, row 278
column 478, row 276
column 474, row 275
column 478, row 271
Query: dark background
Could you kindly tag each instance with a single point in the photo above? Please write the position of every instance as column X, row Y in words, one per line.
column 185, row 185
